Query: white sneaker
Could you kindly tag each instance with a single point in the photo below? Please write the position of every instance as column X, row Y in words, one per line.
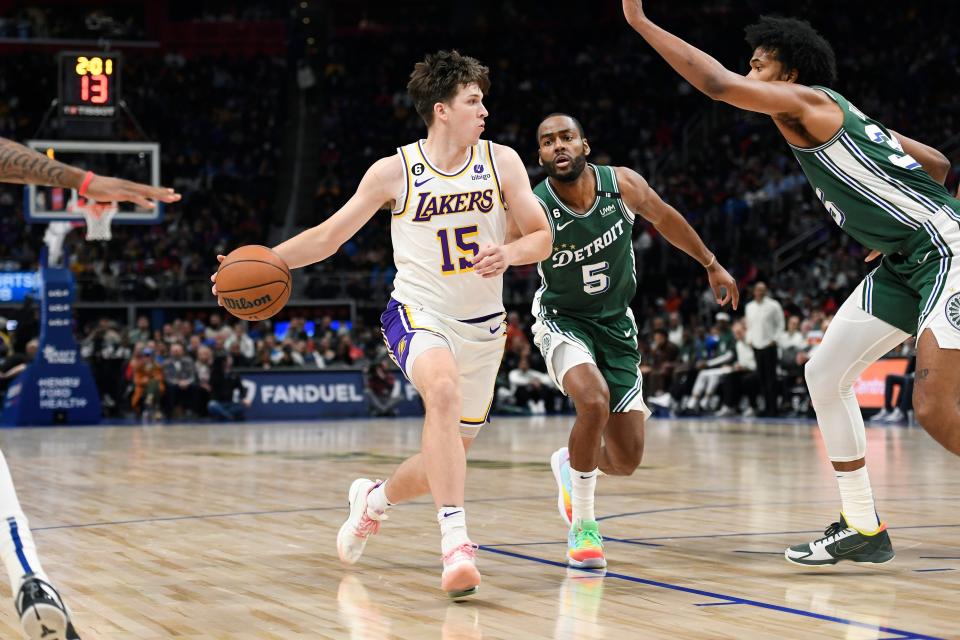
column 661, row 400
column 749, row 412
column 880, row 416
column 896, row 416
column 460, row 576
column 43, row 615
column 724, row 412
column 360, row 525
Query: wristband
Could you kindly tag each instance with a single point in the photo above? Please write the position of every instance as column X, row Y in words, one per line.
column 713, row 260
column 87, row 179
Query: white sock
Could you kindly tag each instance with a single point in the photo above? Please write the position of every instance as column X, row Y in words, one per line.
column 857, row 498
column 17, row 549
column 453, row 528
column 377, row 502
column 584, row 484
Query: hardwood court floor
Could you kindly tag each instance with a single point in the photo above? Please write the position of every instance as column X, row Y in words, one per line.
column 215, row 531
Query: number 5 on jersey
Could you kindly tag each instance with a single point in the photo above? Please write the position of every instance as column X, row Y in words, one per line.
column 463, row 243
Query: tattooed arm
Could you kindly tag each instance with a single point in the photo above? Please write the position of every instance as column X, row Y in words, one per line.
column 25, row 166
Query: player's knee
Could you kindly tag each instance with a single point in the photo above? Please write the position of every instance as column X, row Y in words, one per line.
column 442, row 392
column 931, row 409
column 822, row 381
column 593, row 409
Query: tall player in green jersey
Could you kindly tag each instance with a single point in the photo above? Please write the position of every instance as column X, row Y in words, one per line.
column 886, row 191
column 585, row 328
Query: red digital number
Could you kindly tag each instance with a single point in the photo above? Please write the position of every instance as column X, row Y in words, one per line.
column 95, row 89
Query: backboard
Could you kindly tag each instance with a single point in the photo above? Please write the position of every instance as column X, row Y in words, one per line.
column 136, row 161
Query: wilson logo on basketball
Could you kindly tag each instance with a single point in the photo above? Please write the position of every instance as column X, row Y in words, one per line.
column 243, row 303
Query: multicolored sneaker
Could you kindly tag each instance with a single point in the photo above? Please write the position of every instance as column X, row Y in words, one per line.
column 840, row 541
column 585, row 546
column 460, row 576
column 560, row 463
column 353, row 535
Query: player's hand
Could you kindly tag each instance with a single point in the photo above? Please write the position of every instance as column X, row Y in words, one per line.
column 724, row 286
column 105, row 189
column 491, row 260
column 633, row 11
column 873, row 255
column 213, row 279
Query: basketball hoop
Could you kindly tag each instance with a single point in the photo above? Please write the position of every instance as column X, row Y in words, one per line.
column 97, row 215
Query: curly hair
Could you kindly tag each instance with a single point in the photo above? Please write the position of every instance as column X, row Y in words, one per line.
column 439, row 77
column 797, row 45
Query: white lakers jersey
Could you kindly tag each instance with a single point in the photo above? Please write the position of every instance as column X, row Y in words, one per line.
column 440, row 219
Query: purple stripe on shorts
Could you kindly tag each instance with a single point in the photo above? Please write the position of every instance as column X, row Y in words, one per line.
column 396, row 334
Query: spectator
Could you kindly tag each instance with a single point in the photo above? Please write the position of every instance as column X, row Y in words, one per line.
column 148, row 386
column 180, row 377
column 675, row 329
column 530, row 388
column 383, row 391
column 215, row 328
column 226, row 395
column 711, row 371
column 14, row 364
column 245, row 345
column 741, row 380
column 660, row 370
column 764, row 317
column 204, row 368
column 140, row 333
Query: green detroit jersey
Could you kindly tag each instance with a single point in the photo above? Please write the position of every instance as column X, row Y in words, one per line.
column 591, row 272
column 873, row 189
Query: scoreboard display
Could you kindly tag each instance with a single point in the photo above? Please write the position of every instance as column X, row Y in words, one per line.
column 89, row 84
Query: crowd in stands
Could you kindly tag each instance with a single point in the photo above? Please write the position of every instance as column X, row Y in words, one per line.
column 730, row 174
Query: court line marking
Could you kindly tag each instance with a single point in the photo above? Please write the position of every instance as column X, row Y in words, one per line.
column 904, row 635
column 645, row 541
column 929, row 570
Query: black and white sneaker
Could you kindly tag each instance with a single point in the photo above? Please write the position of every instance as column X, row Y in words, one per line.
column 42, row 612
column 841, row 542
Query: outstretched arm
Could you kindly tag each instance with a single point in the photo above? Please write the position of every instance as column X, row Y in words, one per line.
column 525, row 213
column 643, row 200
column 716, row 81
column 21, row 165
column 377, row 188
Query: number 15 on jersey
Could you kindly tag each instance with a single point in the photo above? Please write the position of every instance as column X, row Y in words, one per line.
column 463, row 243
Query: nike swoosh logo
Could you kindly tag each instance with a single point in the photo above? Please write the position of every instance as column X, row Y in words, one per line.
column 626, row 334
column 420, row 183
column 843, row 551
column 495, row 329
column 561, row 227
column 582, row 477
column 451, row 513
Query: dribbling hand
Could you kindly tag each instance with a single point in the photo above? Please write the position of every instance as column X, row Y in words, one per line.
column 213, row 279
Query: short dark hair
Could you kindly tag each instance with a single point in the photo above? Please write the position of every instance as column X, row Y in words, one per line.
column 797, row 45
column 439, row 77
column 560, row 114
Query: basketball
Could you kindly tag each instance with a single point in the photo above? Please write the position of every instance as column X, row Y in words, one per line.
column 253, row 282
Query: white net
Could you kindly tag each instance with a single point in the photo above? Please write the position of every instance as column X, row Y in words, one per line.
column 97, row 215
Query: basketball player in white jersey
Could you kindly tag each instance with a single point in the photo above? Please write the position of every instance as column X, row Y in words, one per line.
column 41, row 610
column 449, row 196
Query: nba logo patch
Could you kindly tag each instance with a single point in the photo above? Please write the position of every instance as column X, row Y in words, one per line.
column 401, row 347
column 952, row 309
column 478, row 168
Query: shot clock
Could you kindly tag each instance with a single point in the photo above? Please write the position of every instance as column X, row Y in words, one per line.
column 89, row 84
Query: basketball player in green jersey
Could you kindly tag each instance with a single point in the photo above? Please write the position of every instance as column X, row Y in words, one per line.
column 585, row 328
column 886, row 191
